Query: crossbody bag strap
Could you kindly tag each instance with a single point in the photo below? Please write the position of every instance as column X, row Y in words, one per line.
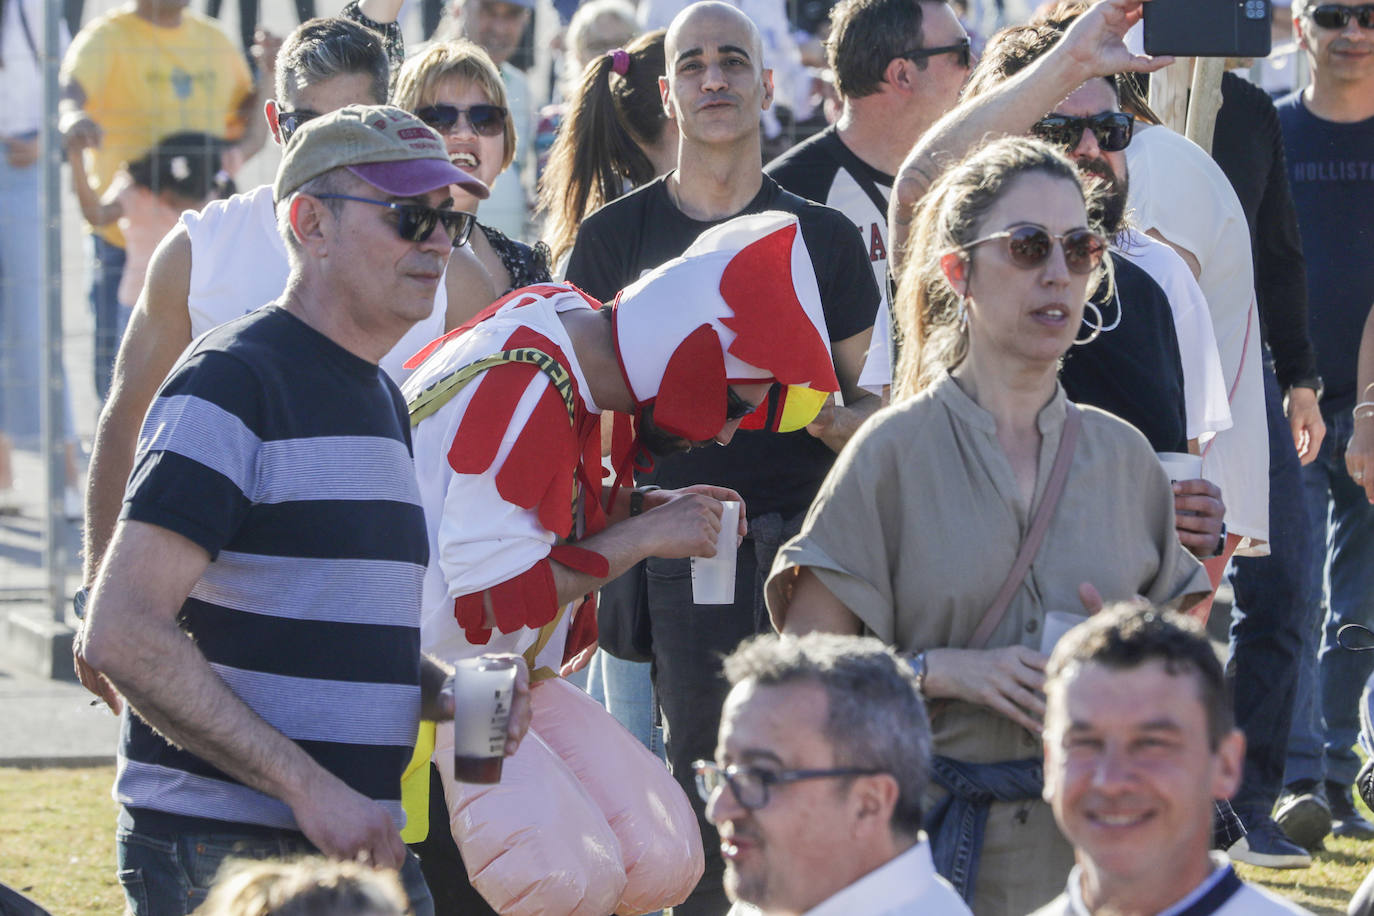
column 1059, row 473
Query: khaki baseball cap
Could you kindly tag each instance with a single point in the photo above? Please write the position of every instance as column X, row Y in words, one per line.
column 386, row 146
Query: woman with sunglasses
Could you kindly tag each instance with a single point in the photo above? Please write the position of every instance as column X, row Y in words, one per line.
column 454, row 87
column 916, row 533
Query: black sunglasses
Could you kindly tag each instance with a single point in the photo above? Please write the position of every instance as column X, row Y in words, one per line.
column 415, row 223
column 1335, row 16
column 736, row 407
column 963, row 48
column 1029, row 247
column 486, row 120
column 1112, row 130
column 751, row 785
column 288, row 122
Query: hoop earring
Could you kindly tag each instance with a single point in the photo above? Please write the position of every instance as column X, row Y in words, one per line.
column 1096, row 325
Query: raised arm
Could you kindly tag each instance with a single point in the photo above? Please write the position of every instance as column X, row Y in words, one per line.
column 1091, row 47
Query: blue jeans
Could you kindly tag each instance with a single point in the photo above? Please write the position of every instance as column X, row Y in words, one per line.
column 1273, row 609
column 1326, row 720
column 170, row 874
column 627, row 692
column 21, row 303
column 107, row 269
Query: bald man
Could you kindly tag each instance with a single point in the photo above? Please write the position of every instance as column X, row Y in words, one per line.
column 716, row 88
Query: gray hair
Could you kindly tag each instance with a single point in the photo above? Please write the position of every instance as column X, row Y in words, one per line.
column 875, row 718
column 334, row 181
column 583, row 21
column 322, row 49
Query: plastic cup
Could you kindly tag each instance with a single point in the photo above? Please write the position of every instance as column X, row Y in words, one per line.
column 1181, row 465
column 713, row 578
column 483, row 690
column 1057, row 623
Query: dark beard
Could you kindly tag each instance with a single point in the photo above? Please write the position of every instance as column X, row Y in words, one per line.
column 1107, row 210
column 660, row 442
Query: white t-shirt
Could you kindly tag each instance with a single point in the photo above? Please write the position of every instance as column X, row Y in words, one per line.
column 1204, row 384
column 1177, row 190
column 1222, row 893
column 904, row 886
column 477, row 538
column 238, row 264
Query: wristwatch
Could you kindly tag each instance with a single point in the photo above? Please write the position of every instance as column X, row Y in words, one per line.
column 1312, row 381
column 637, row 498
column 918, row 668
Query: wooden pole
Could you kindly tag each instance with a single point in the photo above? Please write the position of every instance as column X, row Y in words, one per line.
column 1169, row 94
column 1205, row 101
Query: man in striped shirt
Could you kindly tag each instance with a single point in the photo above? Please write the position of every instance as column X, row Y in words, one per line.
column 259, row 605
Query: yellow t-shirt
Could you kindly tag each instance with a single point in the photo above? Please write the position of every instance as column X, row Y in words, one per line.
column 143, row 82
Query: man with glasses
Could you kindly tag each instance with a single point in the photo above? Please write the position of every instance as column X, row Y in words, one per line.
column 229, row 259
column 1328, row 130
column 898, row 65
column 260, row 605
column 816, row 788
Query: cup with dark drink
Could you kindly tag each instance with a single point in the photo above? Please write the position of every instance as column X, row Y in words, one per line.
column 483, row 691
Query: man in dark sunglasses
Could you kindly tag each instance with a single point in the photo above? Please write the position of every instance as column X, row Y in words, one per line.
column 898, row 67
column 817, row 782
column 1328, row 134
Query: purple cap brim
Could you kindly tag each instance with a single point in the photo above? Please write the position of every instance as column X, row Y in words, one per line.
column 412, row 177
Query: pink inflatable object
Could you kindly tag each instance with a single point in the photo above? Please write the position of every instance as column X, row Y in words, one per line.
column 660, row 842
column 535, row 844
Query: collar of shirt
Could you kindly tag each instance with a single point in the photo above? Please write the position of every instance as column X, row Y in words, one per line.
column 1221, row 869
column 900, row 881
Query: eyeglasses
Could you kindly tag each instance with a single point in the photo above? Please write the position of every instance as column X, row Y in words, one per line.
column 1335, row 16
column 751, row 785
column 1111, row 129
column 415, row 223
column 1029, row 247
column 736, row 407
column 486, row 120
column 963, row 48
column 288, row 122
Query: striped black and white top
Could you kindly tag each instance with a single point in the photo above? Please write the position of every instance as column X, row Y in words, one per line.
column 288, row 459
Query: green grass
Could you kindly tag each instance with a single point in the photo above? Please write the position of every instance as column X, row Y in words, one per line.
column 57, row 846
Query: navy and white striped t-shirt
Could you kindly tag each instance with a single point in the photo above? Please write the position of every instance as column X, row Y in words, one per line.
column 288, row 459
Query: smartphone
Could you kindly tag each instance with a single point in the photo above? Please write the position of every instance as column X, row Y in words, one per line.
column 1208, row 28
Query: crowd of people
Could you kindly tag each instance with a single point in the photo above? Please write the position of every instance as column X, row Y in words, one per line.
column 990, row 354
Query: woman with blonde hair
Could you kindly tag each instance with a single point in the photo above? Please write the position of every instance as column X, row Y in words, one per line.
column 981, row 501
column 455, row 88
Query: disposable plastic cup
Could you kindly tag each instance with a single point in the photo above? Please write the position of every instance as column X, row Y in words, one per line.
column 1181, row 465
column 483, row 689
column 713, row 578
column 1057, row 623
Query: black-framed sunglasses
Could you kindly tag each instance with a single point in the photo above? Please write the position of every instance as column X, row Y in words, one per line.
column 486, row 120
column 1029, row 247
column 288, row 122
column 963, row 48
column 1335, row 16
column 751, row 785
column 1111, row 129
column 736, row 407
column 414, row 222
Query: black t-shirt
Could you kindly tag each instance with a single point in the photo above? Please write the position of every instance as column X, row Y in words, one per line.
column 1332, row 170
column 1248, row 146
column 1133, row 370
column 615, row 245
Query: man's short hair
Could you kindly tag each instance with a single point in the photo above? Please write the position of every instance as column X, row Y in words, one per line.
column 865, row 35
column 1127, row 636
column 311, row 886
column 875, row 718
column 321, row 49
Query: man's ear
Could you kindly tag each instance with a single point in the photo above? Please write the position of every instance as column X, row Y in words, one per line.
column 900, row 74
column 1229, row 760
column 270, row 111
column 955, row 267
column 767, row 88
column 307, row 217
column 874, row 799
column 666, row 95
